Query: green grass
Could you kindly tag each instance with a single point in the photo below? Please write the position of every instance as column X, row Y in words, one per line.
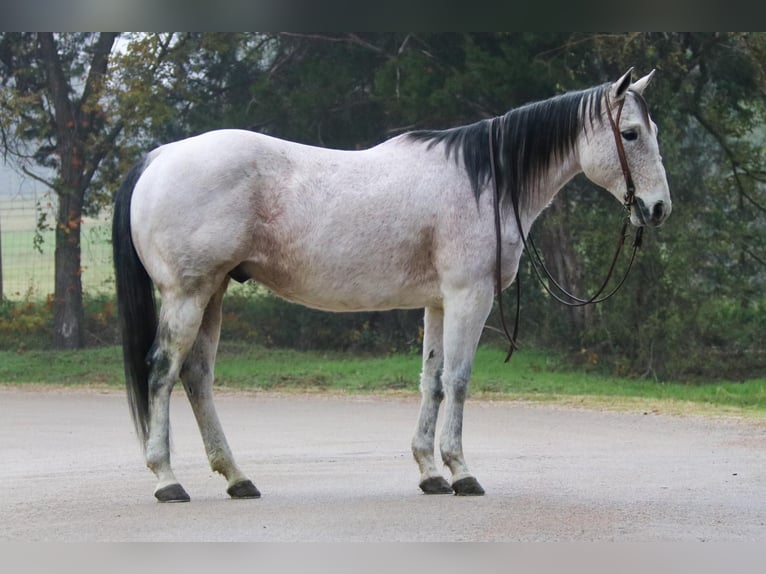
column 529, row 376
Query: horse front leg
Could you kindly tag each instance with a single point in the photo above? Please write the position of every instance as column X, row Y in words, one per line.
column 431, row 480
column 197, row 376
column 465, row 314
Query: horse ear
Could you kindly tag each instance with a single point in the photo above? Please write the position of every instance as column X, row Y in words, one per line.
column 640, row 85
column 621, row 86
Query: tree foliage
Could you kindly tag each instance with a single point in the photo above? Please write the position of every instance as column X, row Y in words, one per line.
column 53, row 118
column 694, row 304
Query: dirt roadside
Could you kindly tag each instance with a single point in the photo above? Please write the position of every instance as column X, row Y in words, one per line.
column 338, row 468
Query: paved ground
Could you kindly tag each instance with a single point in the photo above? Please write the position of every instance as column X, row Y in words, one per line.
column 339, row 469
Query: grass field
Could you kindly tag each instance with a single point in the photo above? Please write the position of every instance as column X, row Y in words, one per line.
column 529, row 376
column 28, row 272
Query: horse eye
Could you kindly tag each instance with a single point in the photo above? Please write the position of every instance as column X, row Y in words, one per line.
column 630, row 135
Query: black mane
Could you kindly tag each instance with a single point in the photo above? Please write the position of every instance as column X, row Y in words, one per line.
column 525, row 141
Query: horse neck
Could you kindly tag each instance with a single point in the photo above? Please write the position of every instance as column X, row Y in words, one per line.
column 559, row 173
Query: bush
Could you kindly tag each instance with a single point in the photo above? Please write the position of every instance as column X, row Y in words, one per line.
column 101, row 321
column 267, row 320
column 716, row 339
column 25, row 324
column 28, row 324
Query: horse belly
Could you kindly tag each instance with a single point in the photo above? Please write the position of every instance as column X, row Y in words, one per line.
column 342, row 289
column 369, row 296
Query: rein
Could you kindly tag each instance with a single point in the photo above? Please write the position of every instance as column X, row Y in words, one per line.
column 538, row 266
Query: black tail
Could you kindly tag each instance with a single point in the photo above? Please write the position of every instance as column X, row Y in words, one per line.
column 136, row 307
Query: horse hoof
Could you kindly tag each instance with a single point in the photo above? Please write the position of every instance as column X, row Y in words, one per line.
column 467, row 486
column 172, row 493
column 243, row 489
column 435, row 485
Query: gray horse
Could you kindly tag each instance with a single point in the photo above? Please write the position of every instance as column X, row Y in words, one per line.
column 408, row 223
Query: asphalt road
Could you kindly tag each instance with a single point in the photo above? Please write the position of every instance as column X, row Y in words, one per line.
column 335, row 468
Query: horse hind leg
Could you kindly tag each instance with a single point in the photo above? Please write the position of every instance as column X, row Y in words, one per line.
column 179, row 323
column 431, row 480
column 197, row 378
column 177, row 329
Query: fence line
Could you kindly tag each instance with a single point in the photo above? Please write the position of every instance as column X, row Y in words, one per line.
column 27, row 254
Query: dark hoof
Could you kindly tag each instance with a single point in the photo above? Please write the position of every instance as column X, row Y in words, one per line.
column 467, row 486
column 243, row 489
column 435, row 485
column 172, row 493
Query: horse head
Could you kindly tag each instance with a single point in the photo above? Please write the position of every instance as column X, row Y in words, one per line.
column 621, row 152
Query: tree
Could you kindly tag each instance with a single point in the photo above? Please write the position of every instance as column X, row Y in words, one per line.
column 66, row 124
column 695, row 303
column 61, row 122
column 697, row 287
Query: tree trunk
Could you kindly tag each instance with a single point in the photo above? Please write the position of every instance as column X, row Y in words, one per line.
column 67, row 301
column 73, row 124
column 68, row 315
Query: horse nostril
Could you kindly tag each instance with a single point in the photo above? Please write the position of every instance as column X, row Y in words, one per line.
column 658, row 211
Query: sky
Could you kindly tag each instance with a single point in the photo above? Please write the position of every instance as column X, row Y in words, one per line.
column 13, row 184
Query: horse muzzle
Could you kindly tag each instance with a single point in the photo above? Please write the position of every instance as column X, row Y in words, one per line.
column 649, row 214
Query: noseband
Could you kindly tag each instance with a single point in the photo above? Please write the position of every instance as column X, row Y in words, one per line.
column 566, row 298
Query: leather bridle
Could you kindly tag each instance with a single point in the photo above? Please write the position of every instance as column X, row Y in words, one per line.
column 630, row 187
column 566, row 298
